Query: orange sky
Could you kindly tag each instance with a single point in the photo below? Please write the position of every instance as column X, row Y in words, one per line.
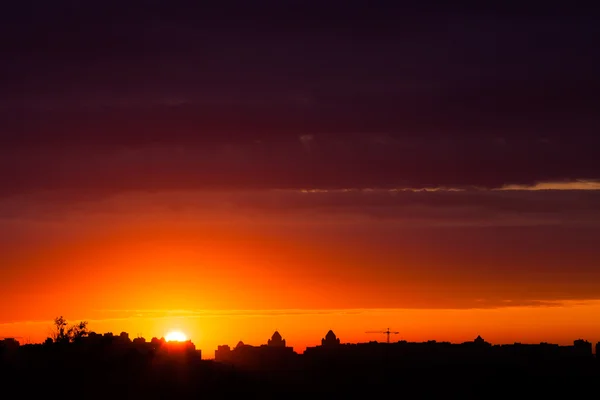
column 294, row 160
column 208, row 329
column 435, row 169
column 142, row 252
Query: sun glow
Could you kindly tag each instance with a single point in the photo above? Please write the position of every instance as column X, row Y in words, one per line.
column 175, row 336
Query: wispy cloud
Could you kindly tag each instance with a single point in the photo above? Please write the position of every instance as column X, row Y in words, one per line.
column 476, row 304
column 383, row 190
column 106, row 315
column 162, row 313
column 547, row 203
column 578, row 184
column 567, row 185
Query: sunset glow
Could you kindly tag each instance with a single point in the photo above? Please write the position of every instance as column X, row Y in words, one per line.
column 175, row 336
column 432, row 172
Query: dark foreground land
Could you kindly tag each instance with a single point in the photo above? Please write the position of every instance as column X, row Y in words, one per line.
column 58, row 372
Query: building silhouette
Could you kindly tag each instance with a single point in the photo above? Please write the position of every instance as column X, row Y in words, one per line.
column 330, row 339
column 175, row 369
column 277, row 354
column 273, row 354
column 276, row 340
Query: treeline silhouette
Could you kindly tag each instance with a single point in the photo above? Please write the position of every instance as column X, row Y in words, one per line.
column 90, row 365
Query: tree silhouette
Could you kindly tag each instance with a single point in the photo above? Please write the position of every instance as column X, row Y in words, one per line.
column 60, row 333
column 64, row 334
column 76, row 332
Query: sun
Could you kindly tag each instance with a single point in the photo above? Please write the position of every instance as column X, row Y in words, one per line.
column 175, row 336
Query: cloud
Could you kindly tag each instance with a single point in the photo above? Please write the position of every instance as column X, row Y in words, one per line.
column 573, row 185
column 226, row 313
column 125, row 314
column 403, row 206
column 224, row 113
column 104, row 315
column 96, row 164
column 477, row 304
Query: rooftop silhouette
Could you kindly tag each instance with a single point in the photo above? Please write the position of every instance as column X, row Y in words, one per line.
column 101, row 363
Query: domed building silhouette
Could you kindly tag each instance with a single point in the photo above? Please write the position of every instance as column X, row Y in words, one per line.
column 330, row 339
column 276, row 340
column 330, row 349
column 275, row 353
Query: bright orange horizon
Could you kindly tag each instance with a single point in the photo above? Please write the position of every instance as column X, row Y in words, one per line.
column 447, row 278
column 560, row 324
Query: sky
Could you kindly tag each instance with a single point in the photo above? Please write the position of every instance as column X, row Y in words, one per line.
column 232, row 169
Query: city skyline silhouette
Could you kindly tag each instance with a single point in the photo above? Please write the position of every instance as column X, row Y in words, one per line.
column 63, row 330
column 326, row 196
column 157, row 368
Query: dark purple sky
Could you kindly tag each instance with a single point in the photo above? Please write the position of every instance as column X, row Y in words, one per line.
column 116, row 112
column 304, row 94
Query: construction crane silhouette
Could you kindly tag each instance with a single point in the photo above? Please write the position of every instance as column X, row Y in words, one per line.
column 387, row 332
